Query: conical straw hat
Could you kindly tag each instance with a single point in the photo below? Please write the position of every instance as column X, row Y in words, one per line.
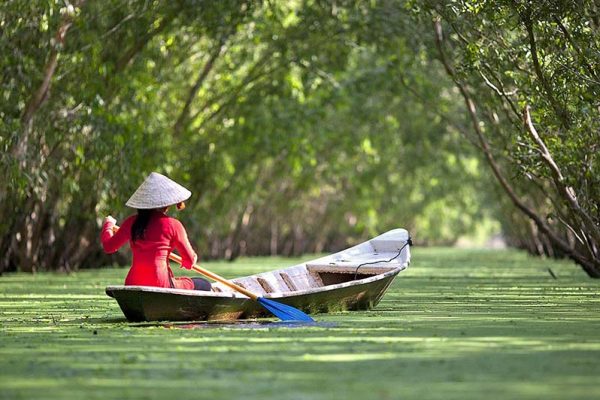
column 158, row 191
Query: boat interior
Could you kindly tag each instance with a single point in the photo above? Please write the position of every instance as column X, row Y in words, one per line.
column 374, row 257
column 295, row 279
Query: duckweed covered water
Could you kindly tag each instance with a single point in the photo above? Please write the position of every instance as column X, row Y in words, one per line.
column 457, row 324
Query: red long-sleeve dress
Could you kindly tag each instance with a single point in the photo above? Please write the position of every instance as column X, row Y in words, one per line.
column 150, row 265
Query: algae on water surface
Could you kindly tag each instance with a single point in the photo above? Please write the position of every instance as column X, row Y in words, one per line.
column 457, row 324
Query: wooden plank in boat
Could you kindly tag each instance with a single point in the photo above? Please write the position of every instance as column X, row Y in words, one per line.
column 348, row 268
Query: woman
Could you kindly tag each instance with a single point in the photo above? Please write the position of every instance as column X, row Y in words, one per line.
column 152, row 235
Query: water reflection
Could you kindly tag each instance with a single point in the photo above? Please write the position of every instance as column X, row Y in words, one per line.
column 247, row 324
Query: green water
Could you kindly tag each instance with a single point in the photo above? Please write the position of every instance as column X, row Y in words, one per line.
column 457, row 324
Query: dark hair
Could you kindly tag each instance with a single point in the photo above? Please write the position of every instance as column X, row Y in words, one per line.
column 139, row 225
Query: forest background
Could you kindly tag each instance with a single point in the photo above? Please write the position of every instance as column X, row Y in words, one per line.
column 300, row 126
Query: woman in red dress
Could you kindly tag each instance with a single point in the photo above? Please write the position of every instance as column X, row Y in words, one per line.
column 152, row 235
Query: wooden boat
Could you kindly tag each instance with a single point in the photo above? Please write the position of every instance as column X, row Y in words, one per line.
column 352, row 279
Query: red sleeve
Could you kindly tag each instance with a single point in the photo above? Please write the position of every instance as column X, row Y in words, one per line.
column 111, row 241
column 181, row 243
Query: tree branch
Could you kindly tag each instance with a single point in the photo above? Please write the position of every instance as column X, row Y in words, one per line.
column 256, row 72
column 560, row 111
column 138, row 46
column 567, row 192
column 184, row 114
column 589, row 265
column 565, row 32
column 41, row 94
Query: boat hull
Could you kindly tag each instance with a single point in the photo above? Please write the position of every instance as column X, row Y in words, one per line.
column 140, row 303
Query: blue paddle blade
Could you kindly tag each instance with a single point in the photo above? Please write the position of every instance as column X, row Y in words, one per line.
column 283, row 311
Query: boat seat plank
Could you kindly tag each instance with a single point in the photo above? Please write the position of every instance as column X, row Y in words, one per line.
column 348, row 268
column 265, row 285
column 297, row 278
column 250, row 284
column 316, row 278
column 288, row 282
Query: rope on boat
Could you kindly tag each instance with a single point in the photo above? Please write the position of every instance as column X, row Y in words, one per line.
column 408, row 243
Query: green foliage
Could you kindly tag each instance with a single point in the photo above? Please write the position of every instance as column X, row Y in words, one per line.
column 295, row 125
column 506, row 56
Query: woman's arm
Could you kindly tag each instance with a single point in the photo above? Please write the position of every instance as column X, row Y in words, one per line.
column 182, row 245
column 111, row 241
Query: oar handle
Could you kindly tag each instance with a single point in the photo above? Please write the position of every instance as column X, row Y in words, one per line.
column 208, row 274
column 215, row 277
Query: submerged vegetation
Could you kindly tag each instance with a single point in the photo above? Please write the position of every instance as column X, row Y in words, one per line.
column 457, row 324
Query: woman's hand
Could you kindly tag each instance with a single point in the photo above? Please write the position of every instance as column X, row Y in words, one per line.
column 110, row 220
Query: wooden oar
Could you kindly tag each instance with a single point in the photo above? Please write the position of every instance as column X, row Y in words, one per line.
column 281, row 311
